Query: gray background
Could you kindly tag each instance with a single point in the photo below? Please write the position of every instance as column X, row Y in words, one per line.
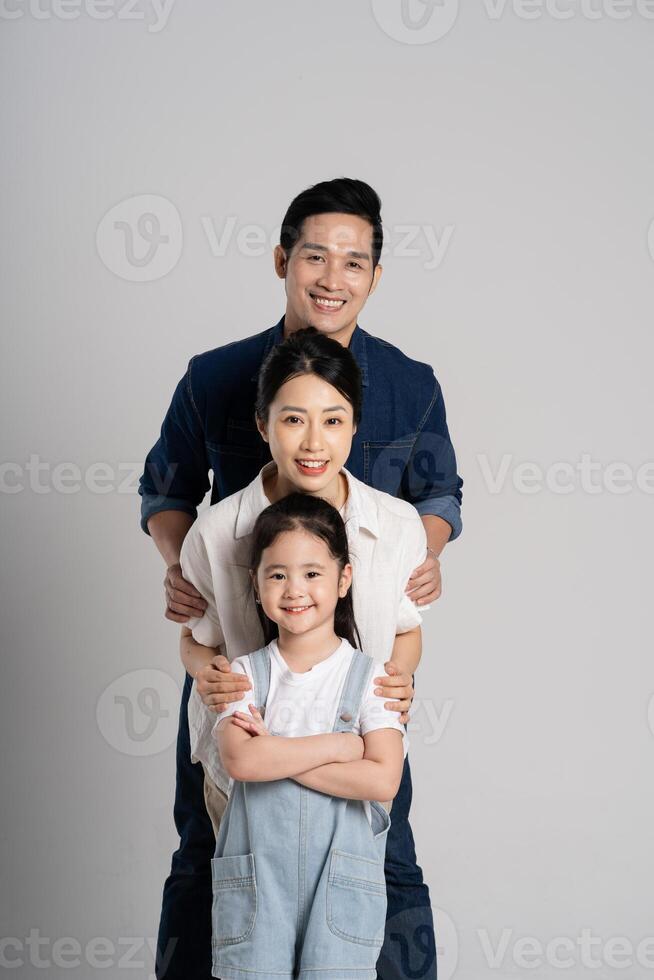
column 523, row 140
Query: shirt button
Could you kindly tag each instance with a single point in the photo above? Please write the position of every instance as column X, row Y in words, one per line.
column 346, row 716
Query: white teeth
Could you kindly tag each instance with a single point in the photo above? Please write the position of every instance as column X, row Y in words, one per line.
column 312, row 464
column 296, row 608
column 328, row 302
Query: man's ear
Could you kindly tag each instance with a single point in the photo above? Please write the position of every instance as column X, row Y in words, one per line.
column 263, row 428
column 376, row 276
column 281, row 261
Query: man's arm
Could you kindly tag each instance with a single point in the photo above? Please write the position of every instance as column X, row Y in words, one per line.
column 175, row 480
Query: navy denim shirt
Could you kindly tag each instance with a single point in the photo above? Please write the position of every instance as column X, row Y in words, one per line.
column 402, row 444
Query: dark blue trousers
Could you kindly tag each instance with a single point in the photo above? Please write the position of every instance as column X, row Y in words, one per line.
column 184, row 942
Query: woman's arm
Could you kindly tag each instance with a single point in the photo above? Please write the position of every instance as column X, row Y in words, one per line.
column 407, row 651
column 375, row 777
column 265, row 757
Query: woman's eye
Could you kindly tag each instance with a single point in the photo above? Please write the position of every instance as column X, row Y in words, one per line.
column 337, row 421
column 293, row 418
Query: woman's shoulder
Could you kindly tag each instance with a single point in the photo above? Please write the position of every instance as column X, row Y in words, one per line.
column 390, row 509
column 219, row 519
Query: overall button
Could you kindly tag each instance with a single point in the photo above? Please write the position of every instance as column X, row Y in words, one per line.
column 346, row 716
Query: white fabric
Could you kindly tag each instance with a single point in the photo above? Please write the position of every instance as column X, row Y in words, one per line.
column 387, row 541
column 306, row 703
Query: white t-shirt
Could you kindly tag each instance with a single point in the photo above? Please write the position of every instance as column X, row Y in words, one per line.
column 387, row 541
column 306, row 703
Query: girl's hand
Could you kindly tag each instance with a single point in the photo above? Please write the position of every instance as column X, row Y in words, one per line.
column 351, row 747
column 254, row 725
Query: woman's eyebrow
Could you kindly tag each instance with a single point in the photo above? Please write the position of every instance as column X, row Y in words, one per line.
column 295, row 408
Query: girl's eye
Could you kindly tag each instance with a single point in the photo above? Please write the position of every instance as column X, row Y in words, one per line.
column 277, row 576
column 313, row 574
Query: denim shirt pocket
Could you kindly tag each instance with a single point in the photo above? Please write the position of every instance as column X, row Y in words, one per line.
column 384, row 463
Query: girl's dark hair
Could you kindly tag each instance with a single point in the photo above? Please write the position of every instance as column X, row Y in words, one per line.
column 308, row 351
column 299, row 511
column 344, row 195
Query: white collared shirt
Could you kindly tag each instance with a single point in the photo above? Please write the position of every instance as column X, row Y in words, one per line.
column 387, row 541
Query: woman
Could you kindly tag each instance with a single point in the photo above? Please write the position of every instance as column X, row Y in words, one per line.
column 308, row 406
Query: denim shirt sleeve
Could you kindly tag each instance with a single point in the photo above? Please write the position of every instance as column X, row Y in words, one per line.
column 430, row 481
column 176, row 474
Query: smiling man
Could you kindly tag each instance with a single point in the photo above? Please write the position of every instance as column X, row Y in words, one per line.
column 328, row 258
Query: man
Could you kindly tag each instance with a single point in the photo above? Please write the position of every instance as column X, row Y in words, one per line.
column 328, row 257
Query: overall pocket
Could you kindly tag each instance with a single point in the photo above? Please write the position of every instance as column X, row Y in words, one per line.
column 356, row 899
column 234, row 899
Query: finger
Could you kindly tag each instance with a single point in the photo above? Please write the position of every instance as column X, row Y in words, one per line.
column 181, row 608
column 427, row 594
column 175, row 580
column 397, row 705
column 175, row 617
column 420, row 570
column 419, row 581
column 255, row 711
column 182, row 599
column 404, row 717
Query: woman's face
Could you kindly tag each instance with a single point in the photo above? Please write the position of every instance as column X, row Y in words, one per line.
column 309, row 429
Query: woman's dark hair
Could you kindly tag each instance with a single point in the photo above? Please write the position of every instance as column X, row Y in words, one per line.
column 344, row 195
column 308, row 351
column 299, row 511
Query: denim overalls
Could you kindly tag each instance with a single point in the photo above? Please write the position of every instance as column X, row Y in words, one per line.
column 298, row 877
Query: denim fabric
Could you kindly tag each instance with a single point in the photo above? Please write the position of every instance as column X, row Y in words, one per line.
column 402, row 445
column 298, row 876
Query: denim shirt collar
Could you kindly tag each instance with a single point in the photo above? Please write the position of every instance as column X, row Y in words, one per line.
column 360, row 506
column 357, row 346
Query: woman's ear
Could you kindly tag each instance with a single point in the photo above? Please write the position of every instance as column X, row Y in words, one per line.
column 345, row 581
column 262, row 426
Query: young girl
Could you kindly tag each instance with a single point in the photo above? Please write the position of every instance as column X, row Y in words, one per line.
column 298, row 876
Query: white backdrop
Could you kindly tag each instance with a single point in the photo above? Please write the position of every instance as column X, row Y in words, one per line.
column 512, row 145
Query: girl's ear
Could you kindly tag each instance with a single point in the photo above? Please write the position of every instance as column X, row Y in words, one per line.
column 345, row 581
column 263, row 428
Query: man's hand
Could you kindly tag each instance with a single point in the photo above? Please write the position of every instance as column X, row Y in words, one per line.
column 217, row 685
column 425, row 582
column 398, row 686
column 183, row 601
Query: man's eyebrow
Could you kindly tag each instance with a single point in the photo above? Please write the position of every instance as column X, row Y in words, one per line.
column 295, row 408
column 323, row 248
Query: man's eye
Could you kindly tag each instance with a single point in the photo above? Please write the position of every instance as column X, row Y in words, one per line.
column 355, row 265
column 320, row 257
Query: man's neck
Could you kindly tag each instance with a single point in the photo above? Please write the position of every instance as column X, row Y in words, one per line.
column 343, row 336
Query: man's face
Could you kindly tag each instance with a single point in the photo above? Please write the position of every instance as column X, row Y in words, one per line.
column 328, row 274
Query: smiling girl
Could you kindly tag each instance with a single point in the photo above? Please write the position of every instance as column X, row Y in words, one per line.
column 298, row 874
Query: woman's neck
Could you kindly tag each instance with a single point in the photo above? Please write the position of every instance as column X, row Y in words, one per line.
column 276, row 487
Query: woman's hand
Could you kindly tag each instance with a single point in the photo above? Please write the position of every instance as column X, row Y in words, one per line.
column 217, row 684
column 255, row 724
column 398, row 686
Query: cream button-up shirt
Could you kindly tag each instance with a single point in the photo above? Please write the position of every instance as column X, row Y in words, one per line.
column 387, row 541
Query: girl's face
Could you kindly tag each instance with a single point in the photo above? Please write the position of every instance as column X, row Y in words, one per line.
column 299, row 582
column 309, row 428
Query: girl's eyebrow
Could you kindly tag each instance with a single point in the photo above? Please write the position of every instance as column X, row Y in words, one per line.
column 307, row 564
column 294, row 408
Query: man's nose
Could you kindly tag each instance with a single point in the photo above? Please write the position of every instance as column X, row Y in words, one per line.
column 331, row 276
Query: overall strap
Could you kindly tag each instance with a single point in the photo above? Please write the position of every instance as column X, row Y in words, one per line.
column 356, row 682
column 260, row 663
